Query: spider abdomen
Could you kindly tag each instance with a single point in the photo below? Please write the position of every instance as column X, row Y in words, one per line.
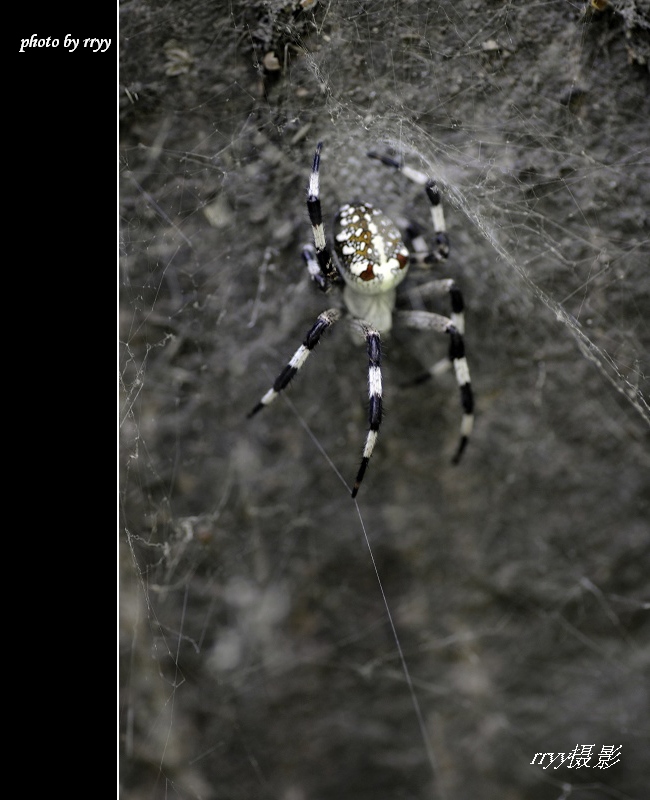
column 373, row 258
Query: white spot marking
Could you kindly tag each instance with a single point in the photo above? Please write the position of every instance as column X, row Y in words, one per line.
column 269, row 397
column 374, row 381
column 459, row 322
column 415, row 175
column 466, row 424
column 299, row 357
column 370, row 444
column 462, row 371
column 438, row 218
column 319, row 237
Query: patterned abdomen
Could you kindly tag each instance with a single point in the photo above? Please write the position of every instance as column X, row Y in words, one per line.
column 372, row 255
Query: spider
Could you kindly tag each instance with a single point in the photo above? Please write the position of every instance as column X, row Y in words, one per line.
column 371, row 260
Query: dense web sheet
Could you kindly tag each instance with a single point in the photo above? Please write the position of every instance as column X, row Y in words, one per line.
column 258, row 651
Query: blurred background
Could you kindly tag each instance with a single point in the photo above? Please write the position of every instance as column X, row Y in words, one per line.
column 257, row 655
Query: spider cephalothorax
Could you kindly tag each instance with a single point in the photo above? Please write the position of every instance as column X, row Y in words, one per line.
column 372, row 259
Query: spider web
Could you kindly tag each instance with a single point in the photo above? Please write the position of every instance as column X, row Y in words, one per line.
column 257, row 658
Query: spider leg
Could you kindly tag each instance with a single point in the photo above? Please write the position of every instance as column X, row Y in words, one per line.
column 313, row 267
column 432, row 289
column 323, row 322
column 441, row 240
column 373, row 343
column 425, row 320
column 321, row 269
column 436, row 288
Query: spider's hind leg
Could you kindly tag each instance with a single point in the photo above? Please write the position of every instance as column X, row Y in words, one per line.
column 438, row 288
column 425, row 320
column 417, row 297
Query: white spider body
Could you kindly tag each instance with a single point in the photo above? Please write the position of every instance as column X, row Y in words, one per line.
column 370, row 260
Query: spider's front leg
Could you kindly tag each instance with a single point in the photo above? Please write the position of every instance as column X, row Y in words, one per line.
column 373, row 343
column 323, row 322
column 425, row 320
column 318, row 259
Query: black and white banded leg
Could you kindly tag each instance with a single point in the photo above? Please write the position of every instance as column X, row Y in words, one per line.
column 319, row 262
column 437, row 288
column 425, row 320
column 373, row 344
column 297, row 361
column 441, row 240
column 324, row 321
